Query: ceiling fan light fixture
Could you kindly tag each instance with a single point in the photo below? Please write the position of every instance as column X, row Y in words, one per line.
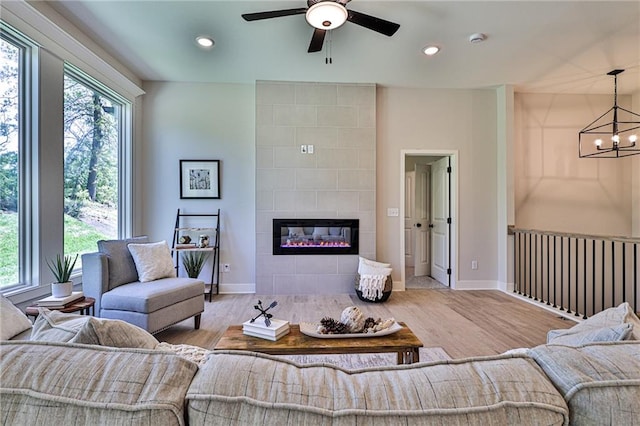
column 327, row 15
column 205, row 42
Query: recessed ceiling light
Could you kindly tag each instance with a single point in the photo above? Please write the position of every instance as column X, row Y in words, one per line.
column 431, row 50
column 205, row 42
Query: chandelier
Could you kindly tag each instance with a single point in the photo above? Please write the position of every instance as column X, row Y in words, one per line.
column 612, row 135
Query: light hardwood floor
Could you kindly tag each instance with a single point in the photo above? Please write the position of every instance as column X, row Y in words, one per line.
column 464, row 323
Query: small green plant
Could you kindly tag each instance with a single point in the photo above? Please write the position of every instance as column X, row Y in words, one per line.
column 62, row 267
column 193, row 262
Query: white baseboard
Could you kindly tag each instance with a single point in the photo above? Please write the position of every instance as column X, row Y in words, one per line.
column 476, row 285
column 544, row 306
column 249, row 288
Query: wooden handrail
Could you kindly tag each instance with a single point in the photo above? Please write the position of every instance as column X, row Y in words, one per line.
column 512, row 230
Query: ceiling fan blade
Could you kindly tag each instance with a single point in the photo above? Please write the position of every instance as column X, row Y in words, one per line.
column 273, row 14
column 317, row 40
column 371, row 22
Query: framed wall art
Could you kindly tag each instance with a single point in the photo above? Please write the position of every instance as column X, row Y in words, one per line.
column 199, row 179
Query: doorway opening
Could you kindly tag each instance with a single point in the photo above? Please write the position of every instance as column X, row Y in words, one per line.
column 429, row 225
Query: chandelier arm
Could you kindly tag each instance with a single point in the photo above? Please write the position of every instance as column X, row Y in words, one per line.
column 628, row 112
column 587, row 127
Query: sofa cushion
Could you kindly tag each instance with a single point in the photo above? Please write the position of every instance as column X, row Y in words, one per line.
column 122, row 269
column 153, row 261
column 12, row 320
column 603, row 334
column 250, row 388
column 115, row 333
column 150, row 297
column 46, row 383
column 600, row 381
column 55, row 326
column 608, row 318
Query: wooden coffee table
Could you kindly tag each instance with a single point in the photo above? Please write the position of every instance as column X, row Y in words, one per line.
column 402, row 342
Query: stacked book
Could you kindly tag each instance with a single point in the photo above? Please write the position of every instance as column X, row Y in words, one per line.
column 258, row 328
column 61, row 302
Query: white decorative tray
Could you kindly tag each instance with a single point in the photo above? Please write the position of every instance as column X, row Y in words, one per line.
column 311, row 329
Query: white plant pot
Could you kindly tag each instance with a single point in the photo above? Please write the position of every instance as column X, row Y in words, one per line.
column 61, row 289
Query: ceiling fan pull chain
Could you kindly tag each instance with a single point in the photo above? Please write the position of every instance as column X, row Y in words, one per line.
column 329, row 59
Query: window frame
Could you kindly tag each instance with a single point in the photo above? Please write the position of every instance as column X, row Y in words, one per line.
column 36, row 240
column 28, row 107
column 125, row 145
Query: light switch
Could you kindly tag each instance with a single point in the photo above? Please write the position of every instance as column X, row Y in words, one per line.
column 303, row 149
column 392, row 212
column 310, row 149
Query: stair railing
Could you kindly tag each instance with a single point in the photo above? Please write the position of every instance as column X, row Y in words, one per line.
column 575, row 273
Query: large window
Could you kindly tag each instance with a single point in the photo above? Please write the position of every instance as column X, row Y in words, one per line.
column 13, row 69
column 90, row 129
column 92, row 135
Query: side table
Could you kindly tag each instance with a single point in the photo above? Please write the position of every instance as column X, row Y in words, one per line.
column 85, row 307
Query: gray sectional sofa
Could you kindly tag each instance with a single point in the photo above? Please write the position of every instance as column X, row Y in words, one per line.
column 595, row 384
column 90, row 371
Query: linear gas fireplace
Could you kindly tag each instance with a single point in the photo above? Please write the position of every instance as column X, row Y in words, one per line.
column 315, row 236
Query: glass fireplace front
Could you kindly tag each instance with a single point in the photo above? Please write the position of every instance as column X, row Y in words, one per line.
column 315, row 236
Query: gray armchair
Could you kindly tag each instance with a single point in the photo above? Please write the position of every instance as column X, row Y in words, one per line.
column 110, row 277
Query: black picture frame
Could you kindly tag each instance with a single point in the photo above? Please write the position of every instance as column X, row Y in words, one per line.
column 200, row 179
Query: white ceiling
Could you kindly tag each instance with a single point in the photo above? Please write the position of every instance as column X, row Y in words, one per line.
column 538, row 46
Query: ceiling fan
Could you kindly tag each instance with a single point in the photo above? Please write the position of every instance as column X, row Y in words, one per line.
column 326, row 15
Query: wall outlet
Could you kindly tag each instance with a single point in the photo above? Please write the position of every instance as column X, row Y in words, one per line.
column 474, row 264
column 303, row 149
column 310, row 149
column 393, row 212
column 226, row 267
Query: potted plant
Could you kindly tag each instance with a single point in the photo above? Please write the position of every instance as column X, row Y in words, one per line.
column 193, row 261
column 62, row 268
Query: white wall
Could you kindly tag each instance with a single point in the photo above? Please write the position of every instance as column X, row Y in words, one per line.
column 202, row 121
column 557, row 191
column 635, row 179
column 461, row 120
column 185, row 121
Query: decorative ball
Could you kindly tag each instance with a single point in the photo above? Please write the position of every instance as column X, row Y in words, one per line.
column 353, row 318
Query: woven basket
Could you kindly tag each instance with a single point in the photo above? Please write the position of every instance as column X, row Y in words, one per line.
column 386, row 292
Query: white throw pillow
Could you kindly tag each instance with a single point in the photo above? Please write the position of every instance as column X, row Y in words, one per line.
column 364, row 260
column 364, row 263
column 56, row 326
column 605, row 334
column 12, row 320
column 114, row 333
column 373, row 270
column 153, row 261
column 611, row 317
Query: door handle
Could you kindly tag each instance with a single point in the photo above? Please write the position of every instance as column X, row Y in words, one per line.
column 431, row 225
column 418, row 225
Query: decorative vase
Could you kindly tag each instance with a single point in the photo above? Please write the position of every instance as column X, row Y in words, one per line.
column 62, row 289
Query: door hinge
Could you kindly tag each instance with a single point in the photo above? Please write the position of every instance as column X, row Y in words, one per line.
column 449, row 221
column 449, row 169
column 448, row 271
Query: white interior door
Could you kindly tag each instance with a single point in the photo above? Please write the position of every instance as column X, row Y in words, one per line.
column 439, row 216
column 422, row 249
column 409, row 220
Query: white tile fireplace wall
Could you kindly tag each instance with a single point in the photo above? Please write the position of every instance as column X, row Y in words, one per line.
column 336, row 178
